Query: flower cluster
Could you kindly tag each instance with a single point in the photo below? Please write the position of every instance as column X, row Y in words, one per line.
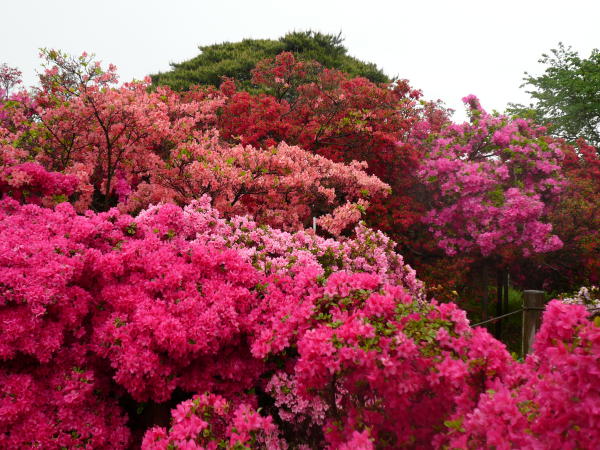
column 550, row 401
column 31, row 183
column 588, row 296
column 209, row 422
column 66, row 404
column 492, row 180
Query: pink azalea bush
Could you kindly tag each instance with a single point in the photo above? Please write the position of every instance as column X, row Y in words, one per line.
column 492, row 180
column 308, row 341
column 172, row 299
column 551, row 401
column 31, row 183
column 64, row 404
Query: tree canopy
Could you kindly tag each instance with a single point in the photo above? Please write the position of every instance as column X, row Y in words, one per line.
column 567, row 94
column 237, row 59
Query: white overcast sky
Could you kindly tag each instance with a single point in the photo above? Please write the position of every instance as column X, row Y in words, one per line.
column 447, row 48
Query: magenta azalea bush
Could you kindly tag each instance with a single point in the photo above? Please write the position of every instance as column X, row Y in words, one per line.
column 551, row 401
column 492, row 180
column 278, row 340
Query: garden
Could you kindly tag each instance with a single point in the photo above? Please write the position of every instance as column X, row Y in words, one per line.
column 291, row 257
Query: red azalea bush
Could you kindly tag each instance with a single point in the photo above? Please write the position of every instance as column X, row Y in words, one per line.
column 331, row 114
column 576, row 219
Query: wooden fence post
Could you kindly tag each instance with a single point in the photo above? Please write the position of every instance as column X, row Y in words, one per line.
column 533, row 304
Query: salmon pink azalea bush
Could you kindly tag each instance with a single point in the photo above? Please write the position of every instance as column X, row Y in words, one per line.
column 126, row 146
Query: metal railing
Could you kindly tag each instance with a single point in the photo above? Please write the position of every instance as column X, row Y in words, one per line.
column 533, row 305
column 495, row 319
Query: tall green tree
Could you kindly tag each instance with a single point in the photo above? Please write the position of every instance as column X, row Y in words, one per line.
column 566, row 95
column 237, row 59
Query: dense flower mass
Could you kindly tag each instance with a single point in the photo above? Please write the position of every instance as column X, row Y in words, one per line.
column 161, row 286
column 65, row 404
column 333, row 340
column 172, row 299
column 551, row 401
column 492, row 179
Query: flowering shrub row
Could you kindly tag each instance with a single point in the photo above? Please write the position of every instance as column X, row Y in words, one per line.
column 125, row 146
column 332, row 340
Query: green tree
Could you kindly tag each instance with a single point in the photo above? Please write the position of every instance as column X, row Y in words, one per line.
column 237, row 59
column 566, row 95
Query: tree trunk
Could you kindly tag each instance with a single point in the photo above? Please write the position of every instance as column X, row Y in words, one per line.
column 486, row 292
column 505, row 282
column 499, row 306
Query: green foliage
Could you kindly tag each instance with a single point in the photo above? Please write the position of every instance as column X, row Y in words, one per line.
column 567, row 95
column 511, row 325
column 237, row 59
